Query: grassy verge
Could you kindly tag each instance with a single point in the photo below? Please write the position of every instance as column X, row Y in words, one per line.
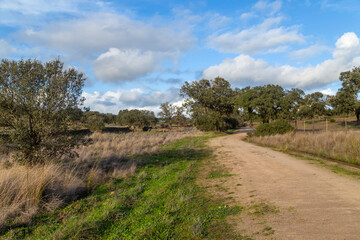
column 337, row 145
column 340, row 167
column 161, row 201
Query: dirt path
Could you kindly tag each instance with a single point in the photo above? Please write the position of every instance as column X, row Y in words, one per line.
column 311, row 202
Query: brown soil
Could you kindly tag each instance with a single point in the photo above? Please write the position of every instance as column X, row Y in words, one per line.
column 284, row 197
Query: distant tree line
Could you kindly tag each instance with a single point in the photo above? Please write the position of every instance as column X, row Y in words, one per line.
column 214, row 105
column 40, row 103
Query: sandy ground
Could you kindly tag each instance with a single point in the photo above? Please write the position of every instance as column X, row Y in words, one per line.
column 311, row 202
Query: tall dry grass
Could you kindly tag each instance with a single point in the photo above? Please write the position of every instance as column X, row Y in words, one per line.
column 339, row 145
column 111, row 155
column 25, row 191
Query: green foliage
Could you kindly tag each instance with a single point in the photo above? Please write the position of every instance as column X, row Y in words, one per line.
column 172, row 114
column 280, row 126
column 332, row 120
column 292, row 103
column 36, row 101
column 345, row 101
column 313, row 105
column 269, row 102
column 167, row 112
column 95, row 123
column 211, row 104
column 108, row 118
column 136, row 118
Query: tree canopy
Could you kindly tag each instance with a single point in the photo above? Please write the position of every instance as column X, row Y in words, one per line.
column 172, row 114
column 136, row 118
column 36, row 101
column 313, row 105
column 211, row 103
column 345, row 101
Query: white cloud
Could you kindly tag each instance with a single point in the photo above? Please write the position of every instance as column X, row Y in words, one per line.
column 98, row 32
column 248, row 15
column 32, row 7
column 309, row 51
column 113, row 101
column 117, row 65
column 121, row 48
column 247, row 70
column 327, row 91
column 271, row 7
column 216, row 21
column 265, row 36
column 6, row 49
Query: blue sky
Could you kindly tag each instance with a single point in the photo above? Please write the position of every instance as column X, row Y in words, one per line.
column 137, row 54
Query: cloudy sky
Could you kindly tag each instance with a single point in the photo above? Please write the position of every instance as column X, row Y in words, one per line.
column 138, row 53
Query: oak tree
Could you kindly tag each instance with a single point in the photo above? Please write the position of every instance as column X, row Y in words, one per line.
column 36, row 101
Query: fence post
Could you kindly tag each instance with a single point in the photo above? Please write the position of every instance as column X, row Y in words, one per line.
column 345, row 124
column 326, row 125
column 312, row 124
column 304, row 125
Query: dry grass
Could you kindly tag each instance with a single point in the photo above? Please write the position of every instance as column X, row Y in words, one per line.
column 111, row 153
column 26, row 191
column 339, row 145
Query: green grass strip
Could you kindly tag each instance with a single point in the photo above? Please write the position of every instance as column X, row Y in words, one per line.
column 161, row 202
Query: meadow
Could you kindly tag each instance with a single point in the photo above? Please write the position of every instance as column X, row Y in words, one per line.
column 128, row 186
column 26, row 191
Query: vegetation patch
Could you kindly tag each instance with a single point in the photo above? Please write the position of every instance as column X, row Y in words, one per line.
column 262, row 209
column 280, row 126
column 160, row 201
column 337, row 145
column 216, row 173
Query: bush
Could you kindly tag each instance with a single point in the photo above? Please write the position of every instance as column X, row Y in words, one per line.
column 37, row 100
column 95, row 123
column 332, row 120
column 280, row 126
column 208, row 123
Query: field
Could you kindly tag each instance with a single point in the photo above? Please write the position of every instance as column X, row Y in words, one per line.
column 132, row 186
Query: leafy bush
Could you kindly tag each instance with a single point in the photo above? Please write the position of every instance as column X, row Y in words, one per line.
column 136, row 118
column 280, row 126
column 36, row 101
column 95, row 123
column 332, row 120
column 213, row 122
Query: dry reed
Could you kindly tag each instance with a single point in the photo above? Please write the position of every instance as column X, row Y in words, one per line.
column 339, row 145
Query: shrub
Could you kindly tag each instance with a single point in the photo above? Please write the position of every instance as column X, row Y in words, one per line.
column 280, row 126
column 332, row 120
column 95, row 123
column 36, row 101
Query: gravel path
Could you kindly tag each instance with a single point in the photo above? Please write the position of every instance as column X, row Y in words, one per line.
column 314, row 202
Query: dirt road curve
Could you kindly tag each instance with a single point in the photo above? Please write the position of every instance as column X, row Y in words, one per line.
column 314, row 202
